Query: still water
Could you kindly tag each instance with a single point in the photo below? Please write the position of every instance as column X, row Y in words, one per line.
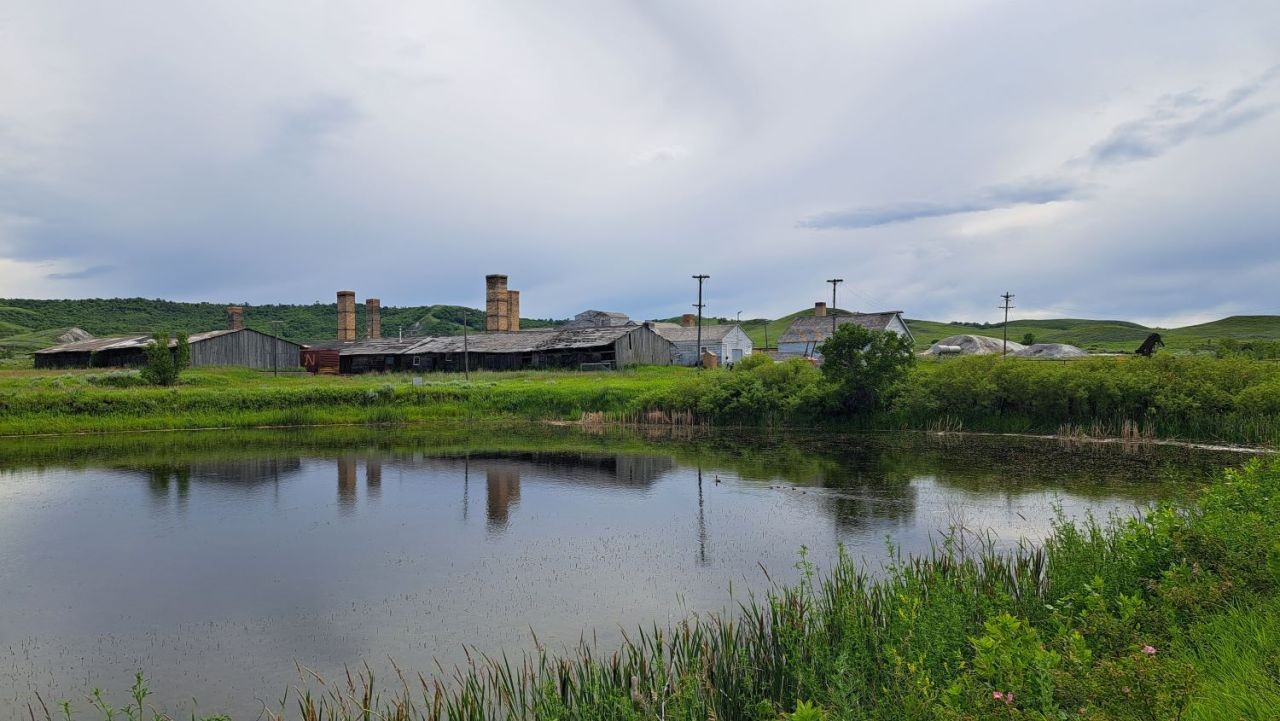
column 217, row 563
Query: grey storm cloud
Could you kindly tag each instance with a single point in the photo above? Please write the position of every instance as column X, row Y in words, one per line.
column 1033, row 192
column 1179, row 118
column 600, row 152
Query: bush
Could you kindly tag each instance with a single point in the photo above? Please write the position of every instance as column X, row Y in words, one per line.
column 162, row 365
column 863, row 364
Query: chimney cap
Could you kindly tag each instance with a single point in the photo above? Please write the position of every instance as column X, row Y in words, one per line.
column 346, row 292
column 495, row 276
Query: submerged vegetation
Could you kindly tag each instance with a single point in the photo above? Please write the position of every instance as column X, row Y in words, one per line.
column 1228, row 400
column 1169, row 615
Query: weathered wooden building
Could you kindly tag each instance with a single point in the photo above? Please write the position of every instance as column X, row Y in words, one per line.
column 804, row 335
column 727, row 341
column 613, row 347
column 232, row 347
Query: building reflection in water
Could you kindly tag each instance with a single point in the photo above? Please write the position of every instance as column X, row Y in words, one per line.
column 346, row 485
column 172, row 482
column 502, row 490
column 373, row 478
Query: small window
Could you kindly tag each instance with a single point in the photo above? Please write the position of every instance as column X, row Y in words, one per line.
column 417, row 361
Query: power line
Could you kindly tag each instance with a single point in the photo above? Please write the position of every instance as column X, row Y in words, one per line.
column 699, row 305
column 834, row 282
column 1008, row 298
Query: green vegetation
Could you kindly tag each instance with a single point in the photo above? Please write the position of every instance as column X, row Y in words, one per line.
column 28, row 325
column 163, row 366
column 1230, row 400
column 861, row 366
column 1173, row 614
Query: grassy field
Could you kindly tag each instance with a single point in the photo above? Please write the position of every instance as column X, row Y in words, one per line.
column 1174, row 614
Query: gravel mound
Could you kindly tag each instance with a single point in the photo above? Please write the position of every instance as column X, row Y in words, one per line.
column 74, row 335
column 970, row 345
column 1050, row 350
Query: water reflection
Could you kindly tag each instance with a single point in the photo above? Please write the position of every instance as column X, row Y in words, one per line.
column 216, row 570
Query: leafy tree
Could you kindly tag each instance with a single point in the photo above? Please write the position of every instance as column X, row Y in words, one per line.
column 862, row 364
column 1029, row 339
column 160, row 367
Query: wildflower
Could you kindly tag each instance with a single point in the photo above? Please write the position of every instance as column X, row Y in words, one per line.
column 1149, row 650
column 1008, row 699
column 997, row 695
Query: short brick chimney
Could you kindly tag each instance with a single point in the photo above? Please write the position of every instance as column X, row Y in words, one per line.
column 688, row 320
column 820, row 309
column 347, row 316
column 235, row 317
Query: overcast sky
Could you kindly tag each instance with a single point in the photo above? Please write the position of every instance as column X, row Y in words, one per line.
column 1098, row 159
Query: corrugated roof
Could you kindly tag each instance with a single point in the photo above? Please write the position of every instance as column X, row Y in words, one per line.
column 810, row 329
column 379, row 346
column 523, row 341
column 138, row 340
column 711, row 333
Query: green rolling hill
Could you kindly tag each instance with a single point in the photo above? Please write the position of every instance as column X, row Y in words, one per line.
column 28, row 325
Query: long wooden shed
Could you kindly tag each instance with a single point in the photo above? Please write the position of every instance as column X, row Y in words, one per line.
column 241, row 347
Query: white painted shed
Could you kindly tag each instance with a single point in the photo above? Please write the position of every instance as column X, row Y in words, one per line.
column 728, row 341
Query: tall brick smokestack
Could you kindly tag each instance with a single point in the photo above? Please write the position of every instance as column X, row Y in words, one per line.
column 235, row 317
column 373, row 318
column 688, row 320
column 513, row 310
column 496, row 302
column 347, row 316
column 820, row 309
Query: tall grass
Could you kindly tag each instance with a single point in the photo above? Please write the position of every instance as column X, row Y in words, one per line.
column 1129, row 618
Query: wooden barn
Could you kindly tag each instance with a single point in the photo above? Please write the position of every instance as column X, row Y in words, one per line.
column 232, row 347
column 575, row 348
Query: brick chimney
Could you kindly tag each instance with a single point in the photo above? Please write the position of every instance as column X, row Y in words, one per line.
column 513, row 310
column 820, row 309
column 688, row 320
column 496, row 302
column 347, row 316
column 235, row 317
column 373, row 318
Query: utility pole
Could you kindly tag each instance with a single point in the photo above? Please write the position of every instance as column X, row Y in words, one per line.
column 834, row 282
column 699, row 306
column 739, row 316
column 1008, row 298
column 275, row 357
column 466, row 348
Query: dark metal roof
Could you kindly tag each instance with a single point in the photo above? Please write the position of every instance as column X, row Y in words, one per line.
column 811, row 329
column 523, row 341
column 137, row 340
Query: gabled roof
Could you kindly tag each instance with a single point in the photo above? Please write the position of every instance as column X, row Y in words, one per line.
column 137, row 340
column 712, row 333
column 817, row 329
column 523, row 341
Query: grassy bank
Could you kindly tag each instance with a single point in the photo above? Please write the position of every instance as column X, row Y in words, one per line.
column 1193, row 398
column 1175, row 614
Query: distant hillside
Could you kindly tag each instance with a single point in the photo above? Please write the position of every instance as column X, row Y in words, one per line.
column 1093, row 335
column 26, row 325
column 1108, row 335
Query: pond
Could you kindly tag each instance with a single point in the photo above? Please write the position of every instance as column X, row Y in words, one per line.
column 217, row 562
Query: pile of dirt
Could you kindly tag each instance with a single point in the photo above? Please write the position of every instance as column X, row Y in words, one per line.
column 970, row 345
column 1050, row 350
column 74, row 335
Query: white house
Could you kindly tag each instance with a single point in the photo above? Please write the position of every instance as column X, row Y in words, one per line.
column 727, row 341
column 807, row 333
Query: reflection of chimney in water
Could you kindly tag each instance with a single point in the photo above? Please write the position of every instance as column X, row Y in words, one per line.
column 503, row 492
column 346, row 485
column 373, row 478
